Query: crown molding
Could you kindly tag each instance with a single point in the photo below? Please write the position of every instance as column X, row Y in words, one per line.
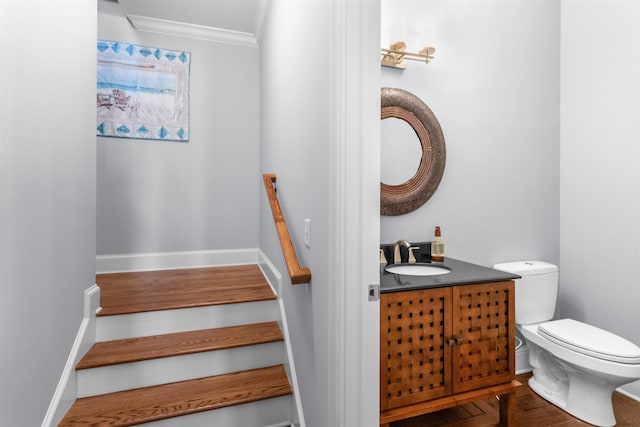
column 260, row 19
column 202, row 32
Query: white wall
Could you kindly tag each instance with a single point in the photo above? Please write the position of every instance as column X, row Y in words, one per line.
column 599, row 164
column 47, row 194
column 494, row 87
column 159, row 196
column 294, row 146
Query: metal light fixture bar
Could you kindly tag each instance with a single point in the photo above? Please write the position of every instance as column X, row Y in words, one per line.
column 396, row 58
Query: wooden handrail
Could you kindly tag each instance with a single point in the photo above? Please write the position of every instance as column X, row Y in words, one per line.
column 297, row 274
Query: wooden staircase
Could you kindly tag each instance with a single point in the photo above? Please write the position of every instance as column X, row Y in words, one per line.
column 186, row 347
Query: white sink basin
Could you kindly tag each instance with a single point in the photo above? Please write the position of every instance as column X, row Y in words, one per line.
column 417, row 269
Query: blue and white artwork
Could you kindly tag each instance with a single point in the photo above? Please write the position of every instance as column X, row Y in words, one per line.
column 143, row 92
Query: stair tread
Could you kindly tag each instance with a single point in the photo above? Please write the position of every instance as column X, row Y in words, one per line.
column 133, row 292
column 148, row 404
column 175, row 344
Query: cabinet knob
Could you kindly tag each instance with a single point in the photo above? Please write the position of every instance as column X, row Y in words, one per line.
column 455, row 340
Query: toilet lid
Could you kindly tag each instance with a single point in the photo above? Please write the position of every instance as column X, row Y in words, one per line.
column 589, row 340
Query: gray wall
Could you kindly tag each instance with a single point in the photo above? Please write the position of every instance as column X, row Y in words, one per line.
column 47, row 195
column 600, row 163
column 294, row 146
column 160, row 196
column 494, row 87
column 539, row 102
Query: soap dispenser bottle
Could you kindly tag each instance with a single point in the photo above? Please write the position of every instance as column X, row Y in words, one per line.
column 437, row 246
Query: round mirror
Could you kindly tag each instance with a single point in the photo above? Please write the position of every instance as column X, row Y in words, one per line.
column 410, row 186
column 400, row 150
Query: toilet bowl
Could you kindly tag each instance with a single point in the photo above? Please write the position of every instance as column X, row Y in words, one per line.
column 574, row 380
column 576, row 366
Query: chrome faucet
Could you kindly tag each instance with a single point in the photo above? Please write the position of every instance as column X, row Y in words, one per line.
column 397, row 257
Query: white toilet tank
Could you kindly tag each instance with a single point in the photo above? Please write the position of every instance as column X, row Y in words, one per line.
column 536, row 292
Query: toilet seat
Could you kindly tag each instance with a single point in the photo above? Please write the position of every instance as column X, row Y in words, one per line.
column 591, row 341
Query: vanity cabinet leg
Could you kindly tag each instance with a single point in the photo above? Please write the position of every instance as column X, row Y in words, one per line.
column 507, row 409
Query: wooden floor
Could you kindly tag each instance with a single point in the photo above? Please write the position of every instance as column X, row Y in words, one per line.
column 531, row 411
column 122, row 293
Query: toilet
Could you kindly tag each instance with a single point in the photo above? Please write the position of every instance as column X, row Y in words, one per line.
column 576, row 366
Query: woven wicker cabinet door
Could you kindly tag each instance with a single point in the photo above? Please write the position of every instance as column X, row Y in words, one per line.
column 415, row 360
column 484, row 322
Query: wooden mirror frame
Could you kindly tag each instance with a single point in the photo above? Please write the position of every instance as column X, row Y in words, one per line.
column 410, row 195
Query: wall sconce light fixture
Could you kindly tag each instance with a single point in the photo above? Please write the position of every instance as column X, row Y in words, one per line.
column 396, row 55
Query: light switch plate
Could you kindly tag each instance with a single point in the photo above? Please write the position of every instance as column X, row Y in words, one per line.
column 307, row 232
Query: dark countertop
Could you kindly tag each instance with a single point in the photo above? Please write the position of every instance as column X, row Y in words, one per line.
column 462, row 273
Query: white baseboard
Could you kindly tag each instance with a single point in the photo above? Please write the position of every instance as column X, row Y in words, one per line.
column 66, row 391
column 175, row 260
column 631, row 390
column 290, row 367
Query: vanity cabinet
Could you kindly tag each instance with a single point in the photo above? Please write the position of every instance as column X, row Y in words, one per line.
column 440, row 347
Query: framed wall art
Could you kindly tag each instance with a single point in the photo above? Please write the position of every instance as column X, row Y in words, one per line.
column 142, row 92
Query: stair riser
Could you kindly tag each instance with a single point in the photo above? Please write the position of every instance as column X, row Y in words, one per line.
column 185, row 319
column 126, row 376
column 269, row 412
